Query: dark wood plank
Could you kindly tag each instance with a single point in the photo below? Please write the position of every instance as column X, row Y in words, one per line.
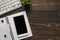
column 45, row 32
column 45, row 19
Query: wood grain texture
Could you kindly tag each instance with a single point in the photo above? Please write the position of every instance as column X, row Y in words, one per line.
column 44, row 18
column 44, row 32
column 45, row 4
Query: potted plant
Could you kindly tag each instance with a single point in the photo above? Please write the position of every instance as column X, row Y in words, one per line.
column 26, row 4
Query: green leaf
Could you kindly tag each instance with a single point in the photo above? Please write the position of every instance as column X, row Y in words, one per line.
column 25, row 1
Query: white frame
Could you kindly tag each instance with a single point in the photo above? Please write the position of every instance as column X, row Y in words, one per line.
column 12, row 24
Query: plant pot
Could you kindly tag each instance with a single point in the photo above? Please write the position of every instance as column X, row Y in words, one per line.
column 27, row 7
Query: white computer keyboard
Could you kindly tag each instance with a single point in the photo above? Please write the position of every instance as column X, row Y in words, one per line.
column 9, row 5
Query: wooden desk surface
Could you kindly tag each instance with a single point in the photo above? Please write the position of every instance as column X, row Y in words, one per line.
column 45, row 20
column 45, row 25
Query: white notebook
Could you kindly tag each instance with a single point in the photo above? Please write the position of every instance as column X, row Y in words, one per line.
column 4, row 30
